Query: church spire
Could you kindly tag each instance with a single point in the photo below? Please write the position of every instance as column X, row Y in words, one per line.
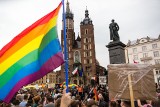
column 86, row 20
column 69, row 14
column 67, row 7
column 86, row 13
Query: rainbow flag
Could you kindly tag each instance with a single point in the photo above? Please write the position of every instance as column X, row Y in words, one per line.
column 32, row 54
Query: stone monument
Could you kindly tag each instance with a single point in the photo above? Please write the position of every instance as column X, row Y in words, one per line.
column 116, row 47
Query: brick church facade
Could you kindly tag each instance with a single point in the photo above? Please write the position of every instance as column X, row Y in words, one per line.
column 81, row 50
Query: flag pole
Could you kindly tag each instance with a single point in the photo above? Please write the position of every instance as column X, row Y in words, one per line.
column 65, row 46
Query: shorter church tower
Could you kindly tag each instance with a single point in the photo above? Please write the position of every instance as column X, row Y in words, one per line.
column 88, row 48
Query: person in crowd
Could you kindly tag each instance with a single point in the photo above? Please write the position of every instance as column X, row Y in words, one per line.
column 49, row 102
column 155, row 103
column 75, row 103
column 57, row 102
column 29, row 103
column 80, row 91
column 125, row 103
column 15, row 103
column 91, row 103
column 24, row 102
column 101, row 102
column 36, row 101
column 113, row 104
column 144, row 103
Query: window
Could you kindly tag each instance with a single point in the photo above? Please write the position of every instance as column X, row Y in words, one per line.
column 86, row 47
column 157, row 72
column 86, row 31
column 77, row 57
column 87, row 54
column 84, row 54
column 90, row 46
column 145, row 55
column 157, row 61
column 69, row 42
column 90, row 60
column 87, row 61
column 69, row 55
column 84, row 61
column 134, row 50
column 156, row 53
column 90, row 53
column 69, row 49
column 135, row 57
column 144, row 48
column 154, row 46
column 86, row 40
column 146, row 62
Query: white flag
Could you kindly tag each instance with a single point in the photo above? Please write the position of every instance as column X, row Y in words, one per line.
column 75, row 71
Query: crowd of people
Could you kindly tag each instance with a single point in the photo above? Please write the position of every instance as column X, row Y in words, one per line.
column 80, row 96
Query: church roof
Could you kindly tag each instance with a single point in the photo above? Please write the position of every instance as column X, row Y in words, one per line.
column 86, row 20
column 78, row 38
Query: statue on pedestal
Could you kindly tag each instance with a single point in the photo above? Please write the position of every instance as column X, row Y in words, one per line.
column 114, row 31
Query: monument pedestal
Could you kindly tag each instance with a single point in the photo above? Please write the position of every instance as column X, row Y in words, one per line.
column 116, row 52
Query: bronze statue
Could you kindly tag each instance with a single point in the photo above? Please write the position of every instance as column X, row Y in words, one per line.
column 114, row 31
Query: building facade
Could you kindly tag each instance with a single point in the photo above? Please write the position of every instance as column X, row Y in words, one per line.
column 81, row 50
column 145, row 51
column 49, row 79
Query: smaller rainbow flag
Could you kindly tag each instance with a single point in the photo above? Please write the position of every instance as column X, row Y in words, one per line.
column 32, row 54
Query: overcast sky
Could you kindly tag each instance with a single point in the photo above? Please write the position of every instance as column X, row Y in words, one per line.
column 136, row 19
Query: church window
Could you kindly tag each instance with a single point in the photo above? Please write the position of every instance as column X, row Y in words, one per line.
column 84, row 54
column 69, row 48
column 90, row 53
column 87, row 61
column 89, row 39
column 90, row 60
column 77, row 57
column 69, row 41
column 85, row 40
column 90, row 46
column 69, row 55
column 88, row 74
column 86, row 31
column 84, row 47
column 87, row 54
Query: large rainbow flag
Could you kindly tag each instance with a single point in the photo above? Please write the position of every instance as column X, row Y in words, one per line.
column 32, row 54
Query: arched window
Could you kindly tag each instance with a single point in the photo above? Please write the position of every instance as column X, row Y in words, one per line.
column 77, row 57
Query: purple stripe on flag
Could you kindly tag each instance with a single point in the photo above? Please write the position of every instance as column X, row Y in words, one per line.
column 54, row 62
